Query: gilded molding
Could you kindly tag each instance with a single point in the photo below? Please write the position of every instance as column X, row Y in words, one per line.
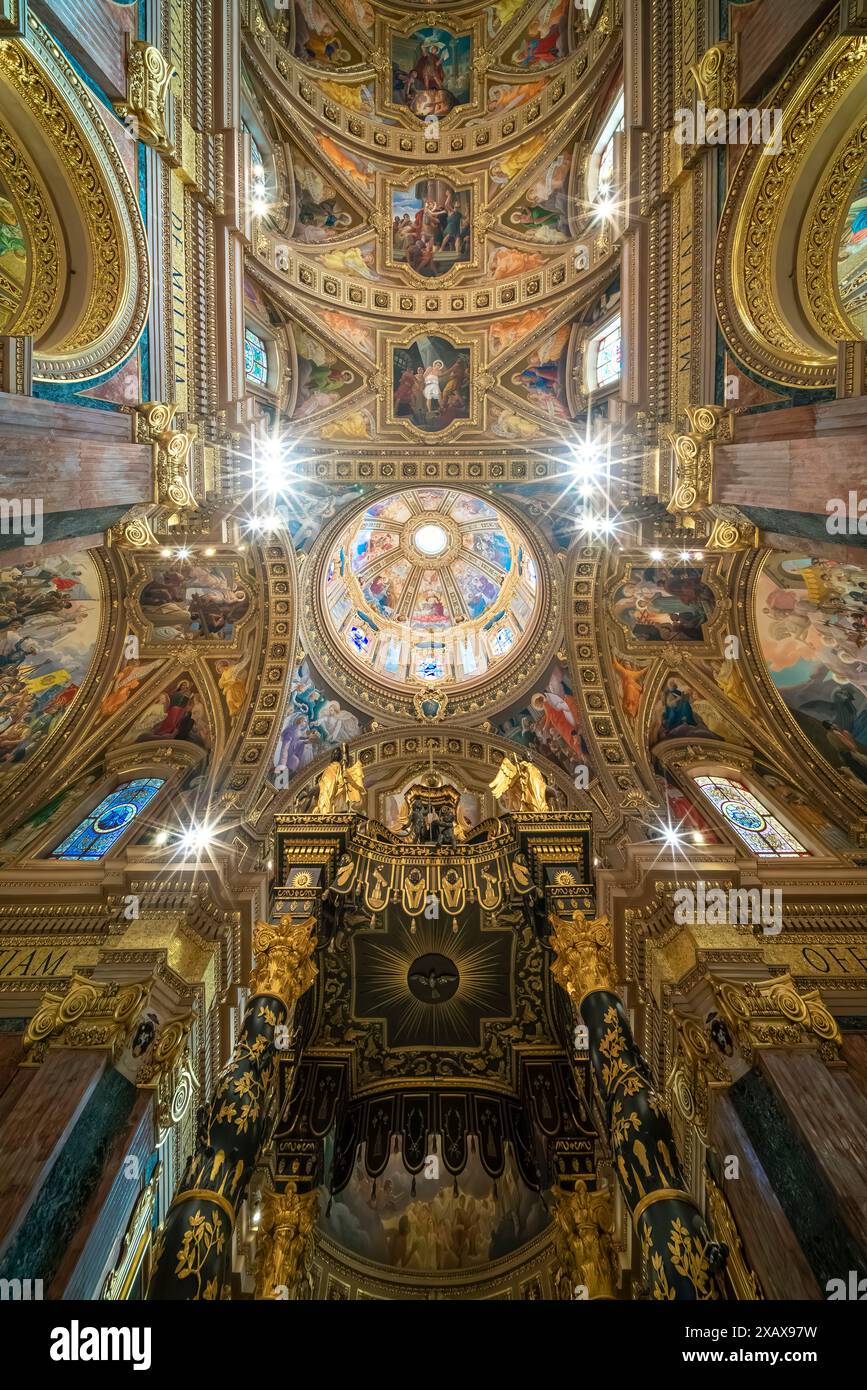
column 39, row 305
column 115, row 311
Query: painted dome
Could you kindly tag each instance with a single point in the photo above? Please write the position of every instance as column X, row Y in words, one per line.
column 430, row 584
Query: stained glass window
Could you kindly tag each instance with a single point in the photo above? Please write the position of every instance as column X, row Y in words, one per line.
column 760, row 831
column 93, row 837
column 603, row 184
column 608, row 348
column 255, row 358
column 258, row 187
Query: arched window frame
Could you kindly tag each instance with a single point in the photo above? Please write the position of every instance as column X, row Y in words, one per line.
column 591, row 354
column 123, row 764
column 611, row 134
column 738, row 772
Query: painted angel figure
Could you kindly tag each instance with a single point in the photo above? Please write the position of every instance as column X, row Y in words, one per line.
column 520, row 785
column 341, row 786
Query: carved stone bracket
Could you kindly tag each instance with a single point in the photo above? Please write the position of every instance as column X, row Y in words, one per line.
column 716, row 75
column 171, row 453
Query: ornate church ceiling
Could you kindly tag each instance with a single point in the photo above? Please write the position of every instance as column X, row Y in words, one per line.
column 427, row 218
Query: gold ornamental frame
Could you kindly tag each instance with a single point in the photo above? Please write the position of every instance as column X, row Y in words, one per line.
column 387, row 185
column 388, row 340
column 387, row 30
column 710, row 646
column 145, row 566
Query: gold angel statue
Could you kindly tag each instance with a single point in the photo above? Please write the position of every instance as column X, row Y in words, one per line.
column 341, row 786
column 520, row 785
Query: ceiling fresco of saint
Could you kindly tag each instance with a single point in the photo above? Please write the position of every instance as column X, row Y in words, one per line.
column 433, row 692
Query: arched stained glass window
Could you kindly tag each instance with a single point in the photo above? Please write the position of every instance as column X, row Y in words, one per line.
column 255, row 358
column 608, row 349
column 93, row 837
column 257, row 167
column 760, row 831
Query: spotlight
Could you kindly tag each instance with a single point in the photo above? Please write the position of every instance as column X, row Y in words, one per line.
column 161, row 837
column 260, row 206
column 183, row 552
column 210, row 551
column 656, row 555
column 197, row 839
column 685, row 555
column 604, row 208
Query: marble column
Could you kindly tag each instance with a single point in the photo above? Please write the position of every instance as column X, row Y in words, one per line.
column 680, row 1258
column 193, row 1246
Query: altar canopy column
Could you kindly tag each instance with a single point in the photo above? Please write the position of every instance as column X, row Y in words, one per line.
column 679, row 1255
column 194, row 1245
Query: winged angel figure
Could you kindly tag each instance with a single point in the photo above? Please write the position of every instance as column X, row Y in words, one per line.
column 520, row 785
column 341, row 786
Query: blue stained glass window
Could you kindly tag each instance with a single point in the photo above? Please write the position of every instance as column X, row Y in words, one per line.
column 255, row 358
column 752, row 822
column 608, row 356
column 93, row 837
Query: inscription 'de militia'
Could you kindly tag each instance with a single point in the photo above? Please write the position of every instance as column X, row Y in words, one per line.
column 24, row 963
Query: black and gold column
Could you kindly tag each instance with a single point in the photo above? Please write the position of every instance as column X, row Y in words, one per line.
column 678, row 1253
column 194, row 1243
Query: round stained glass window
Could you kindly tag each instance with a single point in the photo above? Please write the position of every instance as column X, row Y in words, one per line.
column 739, row 815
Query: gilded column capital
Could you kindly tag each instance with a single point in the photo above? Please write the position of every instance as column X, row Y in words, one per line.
column 716, row 75
column 708, row 425
column 583, row 1222
column 90, row 1014
column 285, row 1243
column 284, row 959
column 773, row 1013
column 584, row 960
column 697, row 1070
column 171, row 447
column 148, row 77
